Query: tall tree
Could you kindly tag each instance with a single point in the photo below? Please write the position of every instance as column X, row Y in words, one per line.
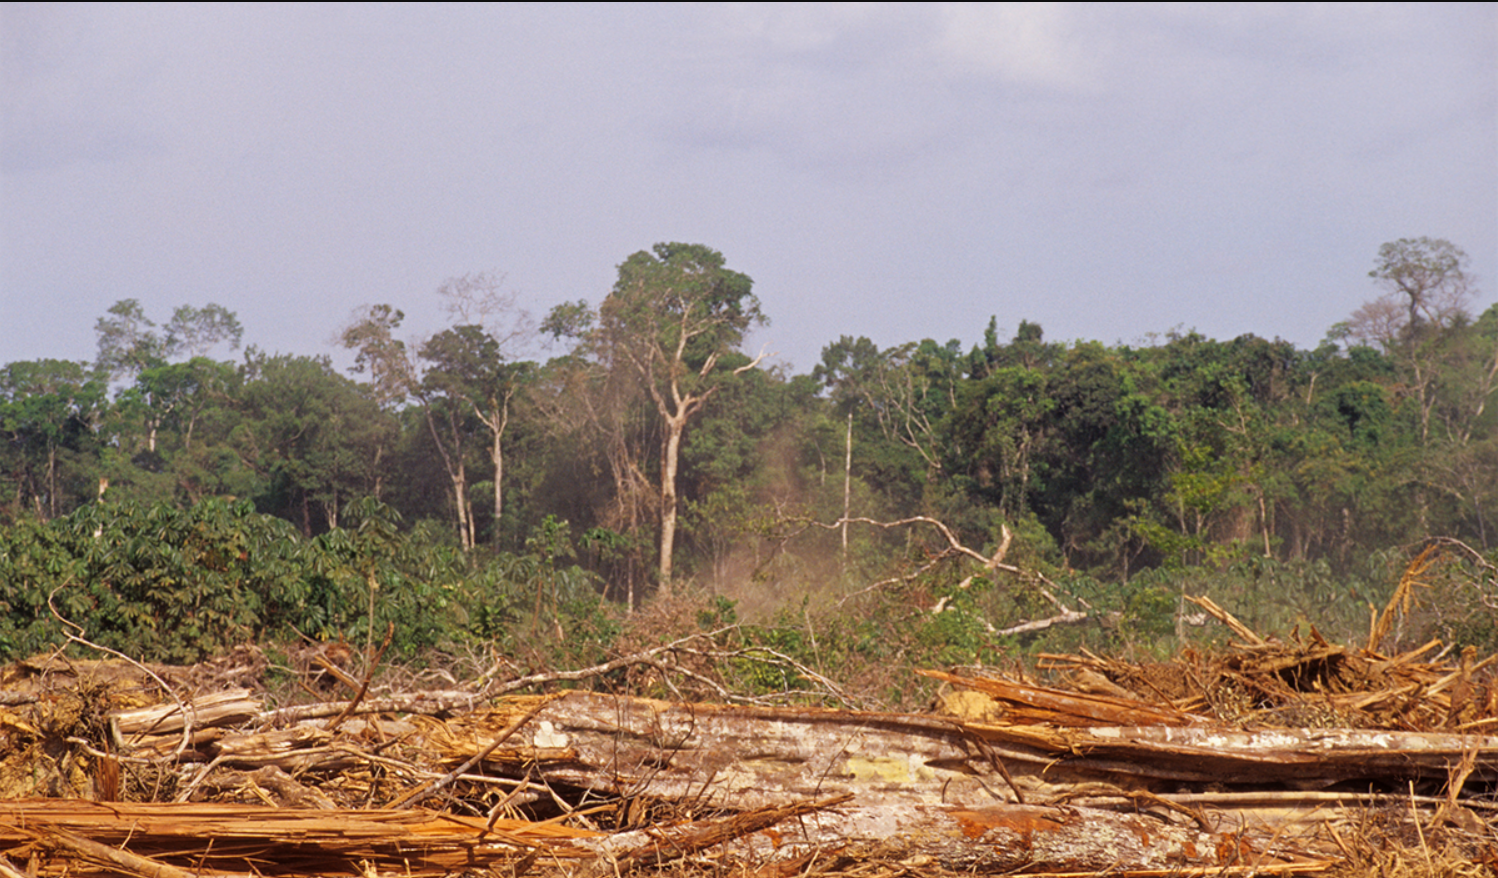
column 1427, row 291
column 907, row 389
column 49, row 411
column 465, row 367
column 476, row 360
column 193, row 332
column 395, row 376
column 128, row 341
column 1427, row 276
column 312, row 434
column 1446, row 366
column 673, row 314
column 466, row 377
column 370, row 333
column 130, row 344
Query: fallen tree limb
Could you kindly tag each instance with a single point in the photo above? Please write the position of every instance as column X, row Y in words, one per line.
column 74, row 634
column 226, row 708
column 1040, row 703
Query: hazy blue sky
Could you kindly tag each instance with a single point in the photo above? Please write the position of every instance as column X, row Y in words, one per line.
column 898, row 172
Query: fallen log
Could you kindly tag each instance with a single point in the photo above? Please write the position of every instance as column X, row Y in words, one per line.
column 739, row 758
column 716, row 757
column 1030, row 704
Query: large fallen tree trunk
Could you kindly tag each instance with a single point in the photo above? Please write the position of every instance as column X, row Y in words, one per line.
column 733, row 758
column 741, row 758
column 1210, row 776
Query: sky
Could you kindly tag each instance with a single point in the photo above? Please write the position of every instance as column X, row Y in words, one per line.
column 1112, row 172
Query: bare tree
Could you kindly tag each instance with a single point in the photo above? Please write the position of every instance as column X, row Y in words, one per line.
column 1427, row 276
column 1427, row 291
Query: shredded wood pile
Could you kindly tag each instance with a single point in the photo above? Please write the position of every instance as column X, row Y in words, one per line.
column 1274, row 757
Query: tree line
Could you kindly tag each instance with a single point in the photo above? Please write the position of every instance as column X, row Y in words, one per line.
column 668, row 454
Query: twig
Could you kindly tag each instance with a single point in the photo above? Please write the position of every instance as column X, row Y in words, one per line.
column 1227, row 619
column 893, row 579
column 758, row 653
column 996, row 562
column 364, row 686
column 638, row 658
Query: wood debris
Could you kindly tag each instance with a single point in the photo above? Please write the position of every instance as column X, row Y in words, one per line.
column 1254, row 761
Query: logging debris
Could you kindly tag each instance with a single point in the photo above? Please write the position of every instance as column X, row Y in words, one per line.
column 1274, row 757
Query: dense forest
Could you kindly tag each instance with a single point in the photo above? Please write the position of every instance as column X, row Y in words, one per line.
column 173, row 503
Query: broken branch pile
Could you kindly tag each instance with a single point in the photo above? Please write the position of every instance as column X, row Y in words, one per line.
column 1261, row 760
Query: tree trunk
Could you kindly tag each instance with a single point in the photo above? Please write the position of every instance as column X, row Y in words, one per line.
column 460, row 500
column 497, row 420
column 497, row 454
column 847, row 484
column 453, row 463
column 52, row 481
column 670, row 455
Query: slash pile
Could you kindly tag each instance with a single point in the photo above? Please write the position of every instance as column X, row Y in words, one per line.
column 1273, row 757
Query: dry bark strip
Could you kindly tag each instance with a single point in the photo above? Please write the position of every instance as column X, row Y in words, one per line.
column 167, row 838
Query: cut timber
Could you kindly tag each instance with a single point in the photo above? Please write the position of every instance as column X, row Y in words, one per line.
column 174, row 840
